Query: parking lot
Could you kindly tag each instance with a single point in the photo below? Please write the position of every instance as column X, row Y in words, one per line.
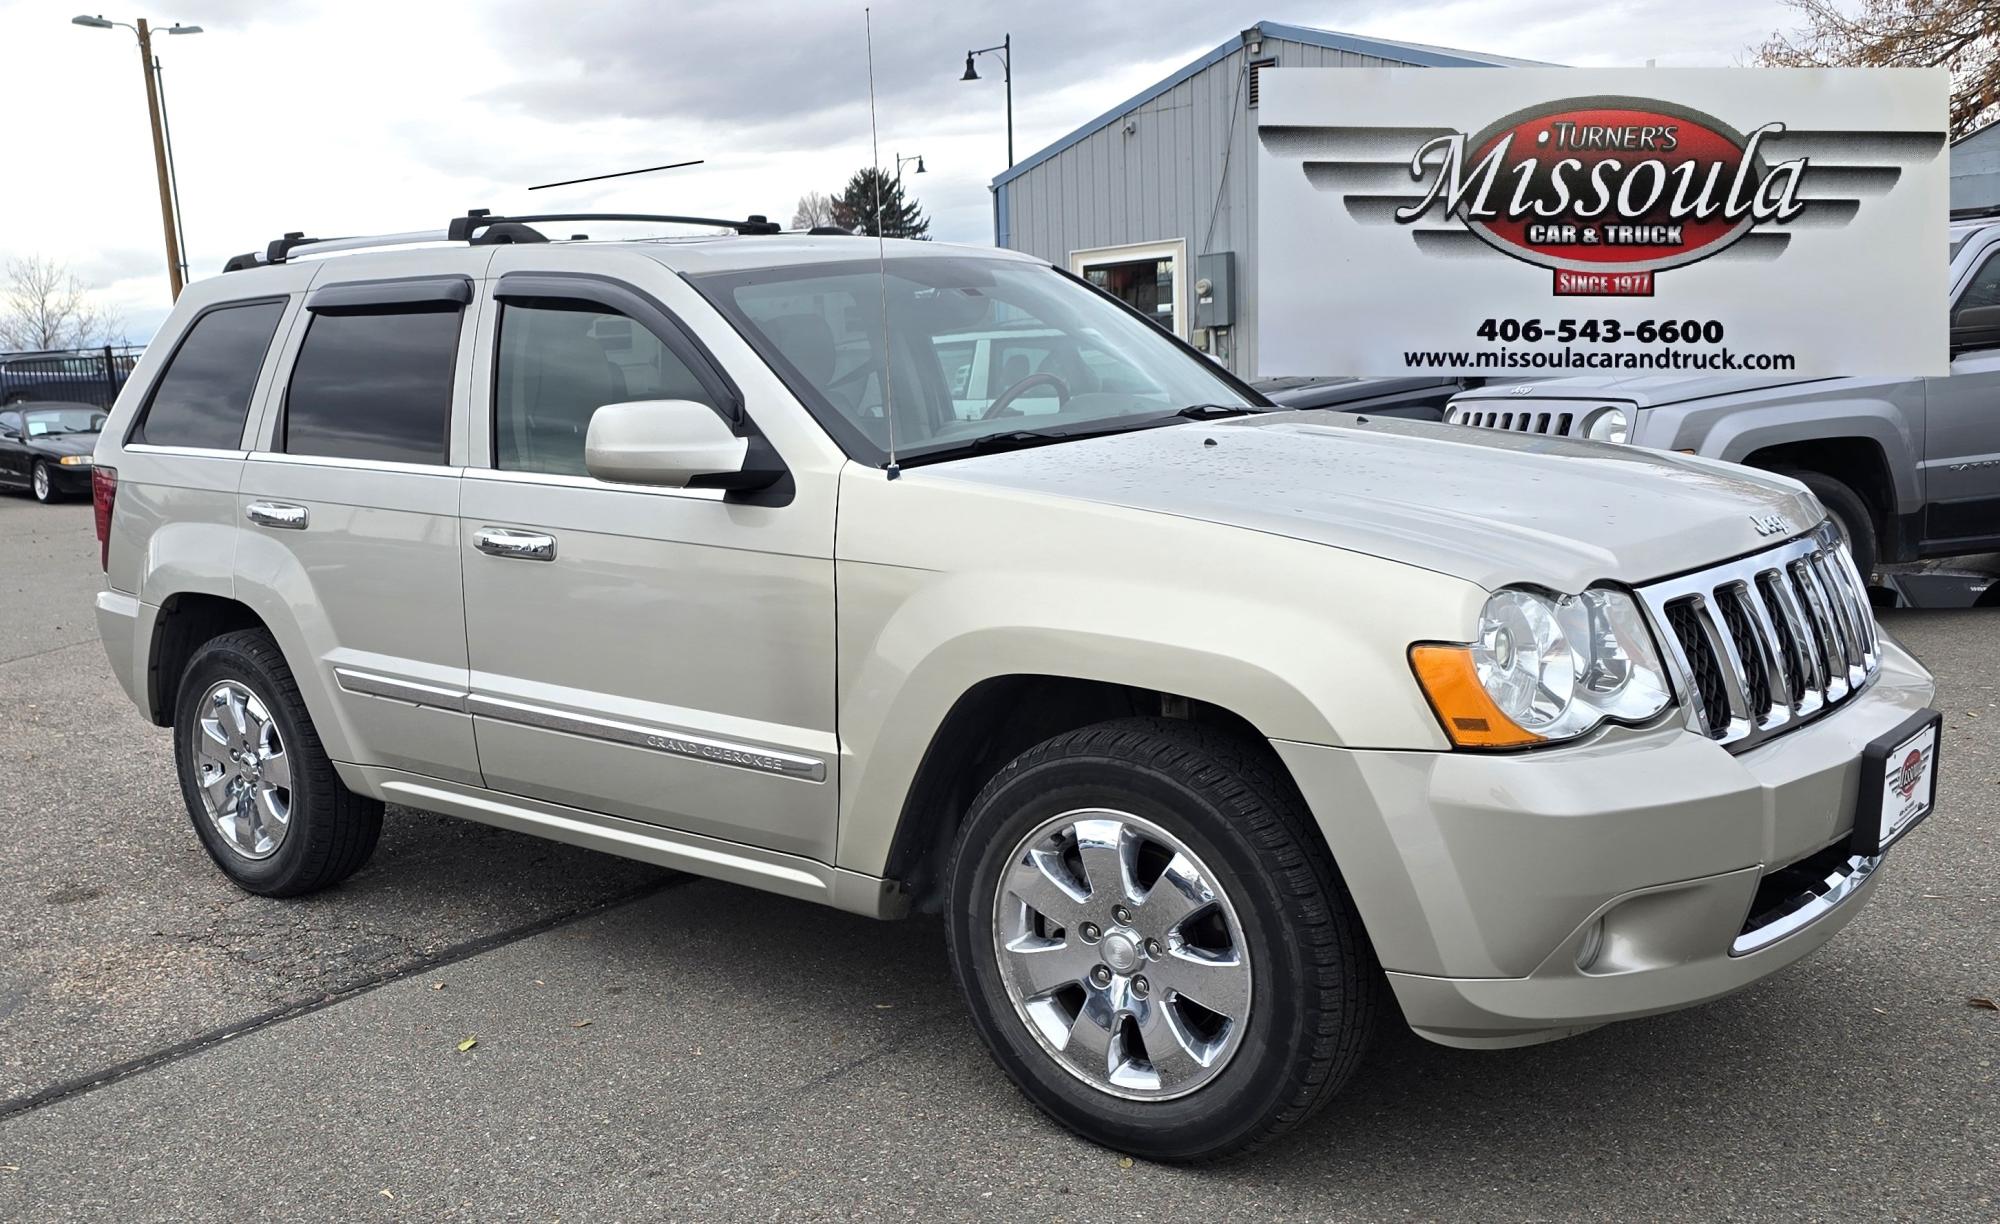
column 651, row 1045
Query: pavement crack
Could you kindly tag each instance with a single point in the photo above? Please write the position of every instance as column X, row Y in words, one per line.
column 168, row 1055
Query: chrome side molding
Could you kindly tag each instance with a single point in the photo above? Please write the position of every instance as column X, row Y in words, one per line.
column 670, row 740
column 370, row 684
column 660, row 739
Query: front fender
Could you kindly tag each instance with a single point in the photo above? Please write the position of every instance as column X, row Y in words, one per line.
column 1733, row 431
column 1304, row 642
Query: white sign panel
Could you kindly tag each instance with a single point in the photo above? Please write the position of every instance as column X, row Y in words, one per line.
column 1528, row 222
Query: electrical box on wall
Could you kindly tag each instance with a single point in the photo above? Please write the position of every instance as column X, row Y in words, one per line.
column 1215, row 289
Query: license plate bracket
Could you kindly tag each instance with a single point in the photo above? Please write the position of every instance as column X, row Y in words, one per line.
column 1898, row 783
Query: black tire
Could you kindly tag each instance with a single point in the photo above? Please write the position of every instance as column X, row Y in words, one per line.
column 1850, row 511
column 331, row 830
column 42, row 485
column 1318, row 990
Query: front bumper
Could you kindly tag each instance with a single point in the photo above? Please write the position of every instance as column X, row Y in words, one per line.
column 71, row 481
column 1483, row 879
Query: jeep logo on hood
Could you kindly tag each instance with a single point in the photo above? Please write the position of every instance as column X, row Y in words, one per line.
column 1605, row 186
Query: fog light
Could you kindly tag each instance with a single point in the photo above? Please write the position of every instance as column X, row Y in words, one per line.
column 1592, row 946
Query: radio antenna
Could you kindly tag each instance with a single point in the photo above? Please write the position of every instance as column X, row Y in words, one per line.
column 881, row 253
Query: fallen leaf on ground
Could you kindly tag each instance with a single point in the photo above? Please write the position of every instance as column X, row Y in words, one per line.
column 581, row 1024
column 884, row 1006
column 437, row 985
column 1982, row 1004
column 1124, row 1162
column 387, row 1194
column 467, row 1044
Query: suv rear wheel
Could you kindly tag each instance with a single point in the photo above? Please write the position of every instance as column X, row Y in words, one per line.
column 1155, row 944
column 262, row 794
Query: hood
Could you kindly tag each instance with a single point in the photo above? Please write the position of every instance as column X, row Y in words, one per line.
column 1491, row 507
column 64, row 444
column 1641, row 391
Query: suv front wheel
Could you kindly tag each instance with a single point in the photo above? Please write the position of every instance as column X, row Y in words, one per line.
column 262, row 794
column 1154, row 942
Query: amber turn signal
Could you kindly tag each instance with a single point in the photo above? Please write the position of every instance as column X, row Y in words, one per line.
column 1468, row 715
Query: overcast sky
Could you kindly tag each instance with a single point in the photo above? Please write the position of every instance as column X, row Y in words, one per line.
column 359, row 116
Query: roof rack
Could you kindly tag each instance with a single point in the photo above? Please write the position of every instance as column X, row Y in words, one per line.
column 478, row 227
column 1975, row 214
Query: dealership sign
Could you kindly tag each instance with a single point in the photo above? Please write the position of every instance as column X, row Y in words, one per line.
column 1556, row 221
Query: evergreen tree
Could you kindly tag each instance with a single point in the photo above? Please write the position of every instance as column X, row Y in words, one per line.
column 854, row 207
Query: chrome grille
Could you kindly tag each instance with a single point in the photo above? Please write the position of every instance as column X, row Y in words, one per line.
column 1526, row 419
column 1763, row 644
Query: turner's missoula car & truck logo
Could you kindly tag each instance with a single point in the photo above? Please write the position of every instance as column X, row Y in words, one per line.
column 1606, row 192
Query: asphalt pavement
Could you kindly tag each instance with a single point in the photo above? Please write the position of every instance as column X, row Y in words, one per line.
column 647, row 1045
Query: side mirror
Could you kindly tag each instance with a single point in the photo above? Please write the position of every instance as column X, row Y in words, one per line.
column 1975, row 327
column 676, row 444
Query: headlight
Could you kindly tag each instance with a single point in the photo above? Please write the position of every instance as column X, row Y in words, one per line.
column 74, row 461
column 1608, row 424
column 1545, row 668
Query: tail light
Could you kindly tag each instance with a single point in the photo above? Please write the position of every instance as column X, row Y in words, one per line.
column 103, row 496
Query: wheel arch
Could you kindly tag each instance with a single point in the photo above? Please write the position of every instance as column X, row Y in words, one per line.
column 185, row 622
column 995, row 720
column 1858, row 462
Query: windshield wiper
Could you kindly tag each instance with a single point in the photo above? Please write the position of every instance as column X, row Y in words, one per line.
column 1211, row 412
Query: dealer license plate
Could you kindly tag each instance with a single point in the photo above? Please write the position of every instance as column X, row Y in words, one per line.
column 1899, row 783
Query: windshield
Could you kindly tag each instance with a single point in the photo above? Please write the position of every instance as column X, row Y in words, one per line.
column 64, row 421
column 979, row 349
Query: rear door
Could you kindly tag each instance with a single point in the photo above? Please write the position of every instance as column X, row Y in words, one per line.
column 350, row 507
column 1961, row 471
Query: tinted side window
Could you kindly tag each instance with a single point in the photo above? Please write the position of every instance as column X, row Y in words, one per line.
column 374, row 384
column 558, row 363
column 1982, row 290
column 203, row 395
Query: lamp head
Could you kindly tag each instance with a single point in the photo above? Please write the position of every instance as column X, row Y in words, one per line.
column 971, row 73
column 95, row 23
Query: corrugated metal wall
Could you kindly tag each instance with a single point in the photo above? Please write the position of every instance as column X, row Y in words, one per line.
column 1975, row 170
column 1183, row 171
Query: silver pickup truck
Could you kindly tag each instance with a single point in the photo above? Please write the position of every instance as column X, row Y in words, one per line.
column 1909, row 467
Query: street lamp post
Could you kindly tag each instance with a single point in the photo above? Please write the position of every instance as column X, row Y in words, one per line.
column 902, row 161
column 168, row 223
column 1005, row 50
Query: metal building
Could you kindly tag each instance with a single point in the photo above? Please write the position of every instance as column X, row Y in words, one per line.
column 1156, row 198
column 1975, row 169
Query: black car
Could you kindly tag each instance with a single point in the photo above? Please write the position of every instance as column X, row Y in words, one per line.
column 45, row 448
column 1420, row 398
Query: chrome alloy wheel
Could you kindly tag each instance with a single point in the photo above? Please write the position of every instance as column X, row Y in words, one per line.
column 242, row 769
column 41, row 479
column 1121, row 954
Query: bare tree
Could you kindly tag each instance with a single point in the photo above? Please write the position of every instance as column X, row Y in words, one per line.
column 815, row 208
column 1962, row 35
column 43, row 305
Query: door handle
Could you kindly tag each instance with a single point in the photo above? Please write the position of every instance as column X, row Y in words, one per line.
column 526, row 545
column 276, row 514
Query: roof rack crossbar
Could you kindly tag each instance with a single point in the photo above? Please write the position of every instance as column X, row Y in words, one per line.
column 463, row 228
column 477, row 226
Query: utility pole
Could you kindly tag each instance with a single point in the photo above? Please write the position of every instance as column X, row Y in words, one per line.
column 160, row 159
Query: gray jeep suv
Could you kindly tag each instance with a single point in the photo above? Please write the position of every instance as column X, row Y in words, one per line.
column 1909, row 467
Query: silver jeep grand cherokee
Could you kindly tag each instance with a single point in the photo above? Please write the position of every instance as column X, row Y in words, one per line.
column 1218, row 735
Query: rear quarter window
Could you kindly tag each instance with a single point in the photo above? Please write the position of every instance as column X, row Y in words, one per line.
column 203, row 396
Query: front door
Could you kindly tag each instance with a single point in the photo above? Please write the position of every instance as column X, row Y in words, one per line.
column 1961, row 474
column 664, row 656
